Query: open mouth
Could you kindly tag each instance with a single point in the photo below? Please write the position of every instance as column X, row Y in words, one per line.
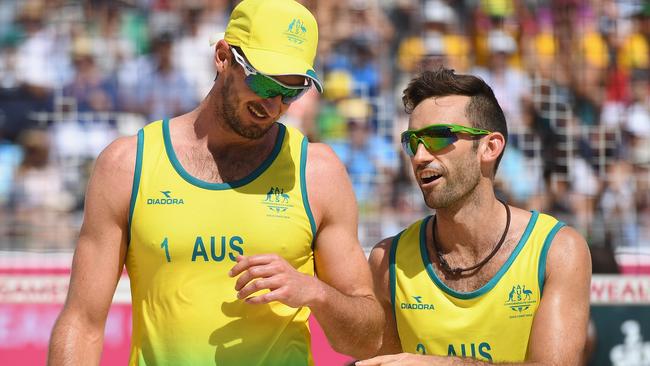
column 429, row 177
column 257, row 111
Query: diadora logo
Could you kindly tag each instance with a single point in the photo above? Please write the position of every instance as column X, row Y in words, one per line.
column 296, row 31
column 167, row 199
column 277, row 201
column 417, row 305
column 520, row 299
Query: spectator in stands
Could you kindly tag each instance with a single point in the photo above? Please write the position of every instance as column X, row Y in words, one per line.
column 162, row 90
column 112, row 34
column 42, row 58
column 38, row 197
column 331, row 123
column 369, row 159
column 358, row 57
column 10, row 158
column 511, row 86
column 92, row 91
column 519, row 188
column 29, row 192
column 644, row 18
column 441, row 37
column 587, row 69
column 638, row 117
column 190, row 52
column 31, row 65
column 618, row 205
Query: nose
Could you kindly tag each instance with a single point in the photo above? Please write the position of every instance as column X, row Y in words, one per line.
column 422, row 155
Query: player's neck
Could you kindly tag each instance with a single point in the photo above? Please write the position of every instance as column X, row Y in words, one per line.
column 211, row 129
column 471, row 226
column 212, row 155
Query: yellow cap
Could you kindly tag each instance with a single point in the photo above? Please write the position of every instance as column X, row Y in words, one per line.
column 278, row 37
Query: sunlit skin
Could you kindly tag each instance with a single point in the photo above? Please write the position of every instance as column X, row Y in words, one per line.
column 457, row 164
column 245, row 112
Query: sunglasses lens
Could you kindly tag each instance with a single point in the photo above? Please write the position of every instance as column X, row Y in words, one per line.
column 291, row 95
column 262, row 86
column 407, row 148
column 406, row 142
column 266, row 87
column 433, row 140
column 435, row 143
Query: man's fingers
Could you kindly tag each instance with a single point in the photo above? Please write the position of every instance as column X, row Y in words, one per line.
column 275, row 295
column 375, row 361
column 244, row 262
column 267, row 270
column 270, row 283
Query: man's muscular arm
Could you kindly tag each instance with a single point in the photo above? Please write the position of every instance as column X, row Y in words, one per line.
column 379, row 258
column 340, row 296
column 78, row 334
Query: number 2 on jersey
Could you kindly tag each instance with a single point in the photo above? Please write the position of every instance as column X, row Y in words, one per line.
column 165, row 245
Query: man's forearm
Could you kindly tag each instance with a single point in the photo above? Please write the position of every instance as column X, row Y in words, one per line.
column 352, row 324
column 72, row 344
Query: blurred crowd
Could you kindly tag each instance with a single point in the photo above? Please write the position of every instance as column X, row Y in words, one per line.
column 573, row 77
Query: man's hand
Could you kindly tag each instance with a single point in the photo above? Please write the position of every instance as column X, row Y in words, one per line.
column 272, row 272
column 401, row 359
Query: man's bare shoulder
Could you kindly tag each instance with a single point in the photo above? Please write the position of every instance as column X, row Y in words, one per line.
column 322, row 161
column 379, row 262
column 569, row 253
column 384, row 246
column 380, row 253
column 328, row 185
column 112, row 177
column 118, row 158
column 109, row 190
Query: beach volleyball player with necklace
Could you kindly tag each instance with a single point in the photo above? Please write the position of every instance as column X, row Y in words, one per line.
column 475, row 283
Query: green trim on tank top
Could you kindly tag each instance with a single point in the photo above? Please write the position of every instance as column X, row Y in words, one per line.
column 303, row 187
column 488, row 286
column 136, row 178
column 391, row 271
column 541, row 267
column 178, row 167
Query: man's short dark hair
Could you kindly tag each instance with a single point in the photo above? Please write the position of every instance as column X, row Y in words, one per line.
column 483, row 110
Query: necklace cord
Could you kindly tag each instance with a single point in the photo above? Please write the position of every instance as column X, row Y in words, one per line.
column 457, row 271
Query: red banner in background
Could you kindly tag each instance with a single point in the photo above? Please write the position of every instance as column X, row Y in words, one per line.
column 25, row 333
column 32, row 294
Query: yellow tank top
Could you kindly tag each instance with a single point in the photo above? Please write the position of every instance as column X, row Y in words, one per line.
column 185, row 234
column 492, row 323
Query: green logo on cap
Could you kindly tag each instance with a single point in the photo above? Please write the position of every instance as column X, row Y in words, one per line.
column 296, row 31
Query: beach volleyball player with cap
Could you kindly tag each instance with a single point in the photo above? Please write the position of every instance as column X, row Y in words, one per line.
column 232, row 226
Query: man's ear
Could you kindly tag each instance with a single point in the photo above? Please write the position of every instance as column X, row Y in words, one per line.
column 493, row 145
column 222, row 56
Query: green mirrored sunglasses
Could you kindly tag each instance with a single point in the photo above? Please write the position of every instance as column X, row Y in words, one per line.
column 267, row 87
column 436, row 137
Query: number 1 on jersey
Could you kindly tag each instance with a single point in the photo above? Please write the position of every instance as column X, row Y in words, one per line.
column 165, row 245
